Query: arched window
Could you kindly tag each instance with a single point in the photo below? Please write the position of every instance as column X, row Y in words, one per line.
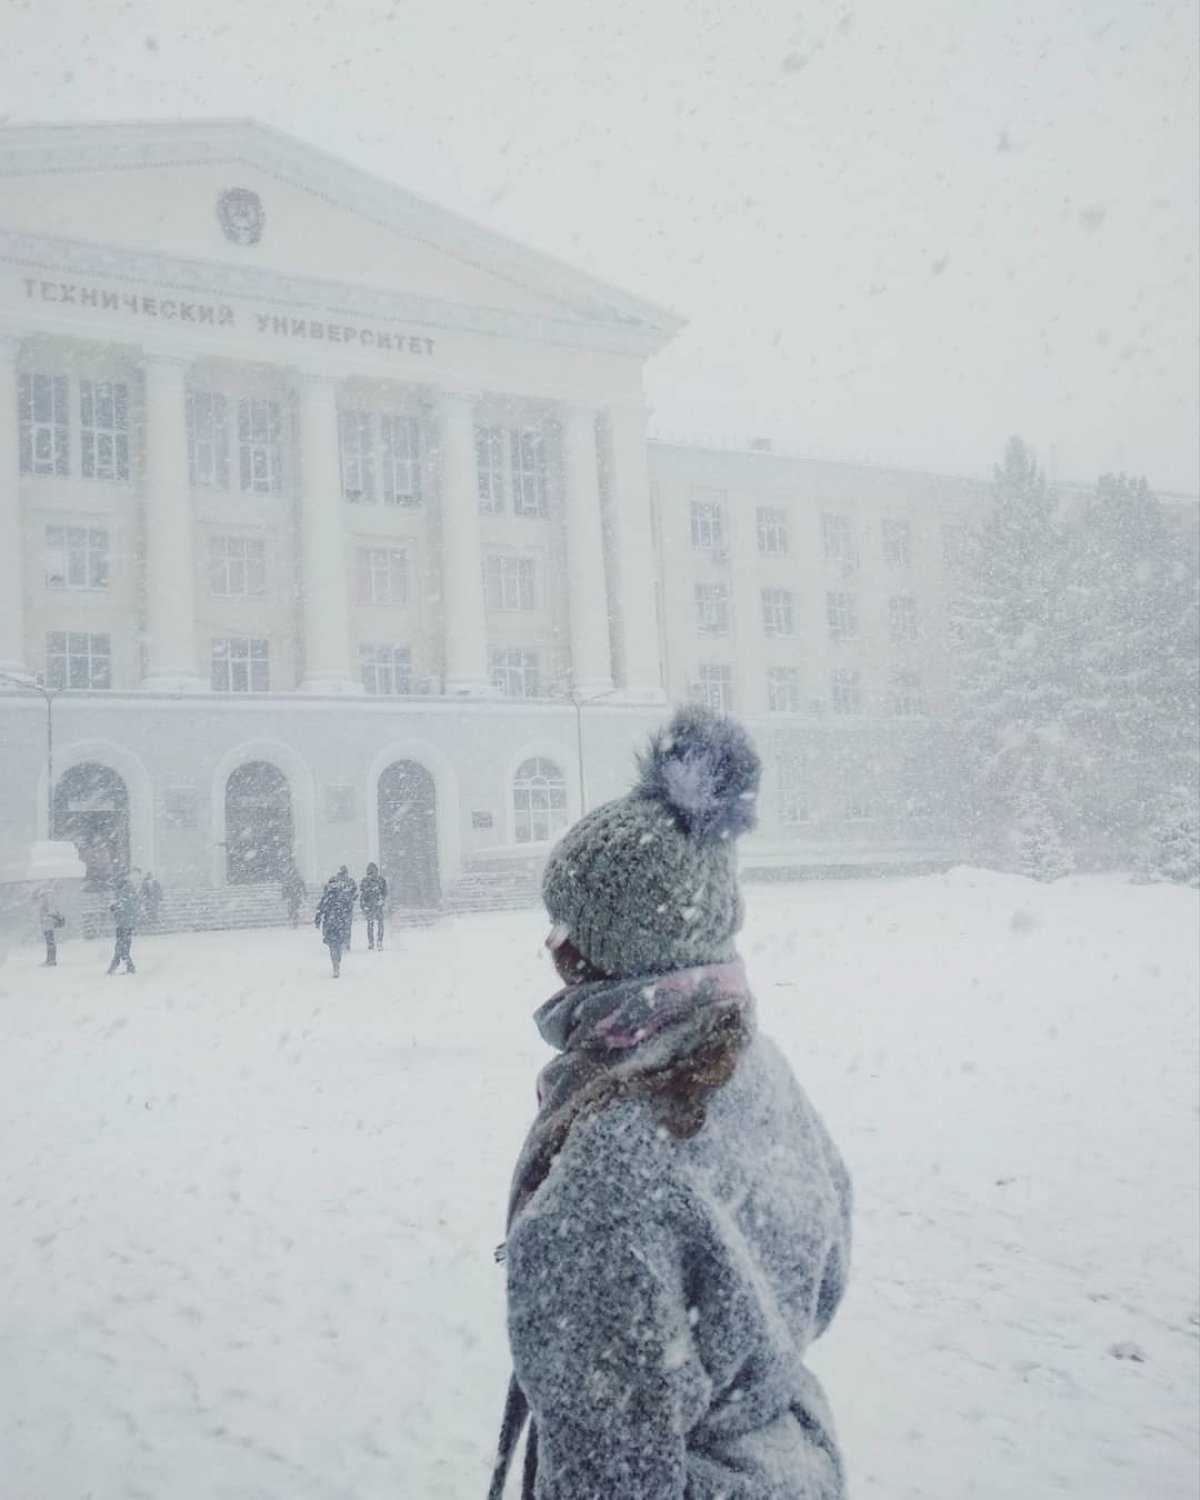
column 539, row 801
column 258, row 824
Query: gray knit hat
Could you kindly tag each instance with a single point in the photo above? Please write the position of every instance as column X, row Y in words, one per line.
column 648, row 883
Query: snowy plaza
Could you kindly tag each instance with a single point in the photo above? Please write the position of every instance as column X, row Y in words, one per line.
column 249, row 1213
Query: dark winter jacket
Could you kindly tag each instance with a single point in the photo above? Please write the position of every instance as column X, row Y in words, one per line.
column 125, row 907
column 663, row 1290
column 334, row 913
column 373, row 892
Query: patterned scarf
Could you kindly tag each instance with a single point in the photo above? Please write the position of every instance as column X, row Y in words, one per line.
column 670, row 1039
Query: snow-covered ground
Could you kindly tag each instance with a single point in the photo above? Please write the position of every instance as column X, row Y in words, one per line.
column 247, row 1214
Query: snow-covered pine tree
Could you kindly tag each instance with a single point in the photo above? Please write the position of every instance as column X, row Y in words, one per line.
column 1011, row 694
column 1134, row 602
column 1172, row 848
column 1040, row 851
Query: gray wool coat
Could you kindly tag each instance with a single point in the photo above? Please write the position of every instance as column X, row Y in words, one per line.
column 662, row 1293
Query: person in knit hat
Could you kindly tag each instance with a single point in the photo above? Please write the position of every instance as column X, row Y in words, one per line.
column 679, row 1219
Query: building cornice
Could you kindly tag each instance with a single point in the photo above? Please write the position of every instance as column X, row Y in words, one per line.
column 41, row 149
column 295, row 293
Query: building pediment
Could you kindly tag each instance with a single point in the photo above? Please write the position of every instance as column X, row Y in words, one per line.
column 234, row 208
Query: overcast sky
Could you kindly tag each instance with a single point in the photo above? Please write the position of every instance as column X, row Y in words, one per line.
column 899, row 232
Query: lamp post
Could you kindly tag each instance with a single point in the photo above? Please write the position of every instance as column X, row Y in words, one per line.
column 37, row 685
column 579, row 704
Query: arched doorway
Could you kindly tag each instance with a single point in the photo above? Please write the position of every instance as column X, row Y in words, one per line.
column 91, row 808
column 258, row 824
column 408, row 834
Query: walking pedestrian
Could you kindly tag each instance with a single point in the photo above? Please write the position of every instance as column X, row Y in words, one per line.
column 293, row 892
column 372, row 894
column 150, row 900
column 50, row 919
column 679, row 1222
column 125, row 913
column 349, row 889
column 332, row 918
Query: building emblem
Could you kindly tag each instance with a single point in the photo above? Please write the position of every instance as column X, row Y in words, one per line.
column 241, row 217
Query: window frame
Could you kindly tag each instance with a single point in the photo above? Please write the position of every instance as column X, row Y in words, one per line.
column 539, row 801
column 718, row 676
column 778, row 614
column 387, row 666
column 708, row 526
column 897, row 541
column 784, row 690
column 841, row 615
column 529, row 487
column 51, row 392
column 104, row 431
column 771, row 522
column 223, row 560
column 712, row 608
column 208, row 439
column 241, row 675
column 509, row 583
column 791, row 778
column 846, row 692
column 381, row 577
column 79, row 646
column 515, row 664
column 839, row 540
column 265, row 444
column 903, row 619
column 84, row 552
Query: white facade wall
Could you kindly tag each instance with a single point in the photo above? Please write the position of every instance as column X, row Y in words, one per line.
column 425, row 527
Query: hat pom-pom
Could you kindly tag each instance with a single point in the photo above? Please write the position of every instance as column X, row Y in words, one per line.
column 704, row 769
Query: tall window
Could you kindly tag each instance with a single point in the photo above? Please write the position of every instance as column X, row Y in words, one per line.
column 712, row 609
column 515, row 671
column 842, row 616
column 772, row 530
column 715, row 686
column 902, row 609
column 846, row 695
column 237, row 567
column 777, row 612
column 260, row 452
column 838, row 540
column 356, row 444
column 104, row 429
column 76, row 659
column 76, row 557
column 539, row 801
column 239, row 665
column 897, row 542
column 386, row 670
column 400, row 458
column 708, row 525
column 489, row 467
column 44, row 423
column 382, row 575
column 904, row 694
column 792, row 781
column 208, row 440
column 511, row 468
column 783, row 690
column 528, row 472
column 509, row 582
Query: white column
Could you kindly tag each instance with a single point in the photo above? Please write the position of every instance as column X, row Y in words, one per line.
column 170, row 567
column 587, row 587
column 634, row 554
column 462, row 557
column 325, row 605
column 12, row 592
column 750, row 656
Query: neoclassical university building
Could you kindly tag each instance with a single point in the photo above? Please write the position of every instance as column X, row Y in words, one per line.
column 330, row 521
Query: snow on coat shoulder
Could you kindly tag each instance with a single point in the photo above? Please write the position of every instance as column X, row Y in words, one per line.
column 662, row 1293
